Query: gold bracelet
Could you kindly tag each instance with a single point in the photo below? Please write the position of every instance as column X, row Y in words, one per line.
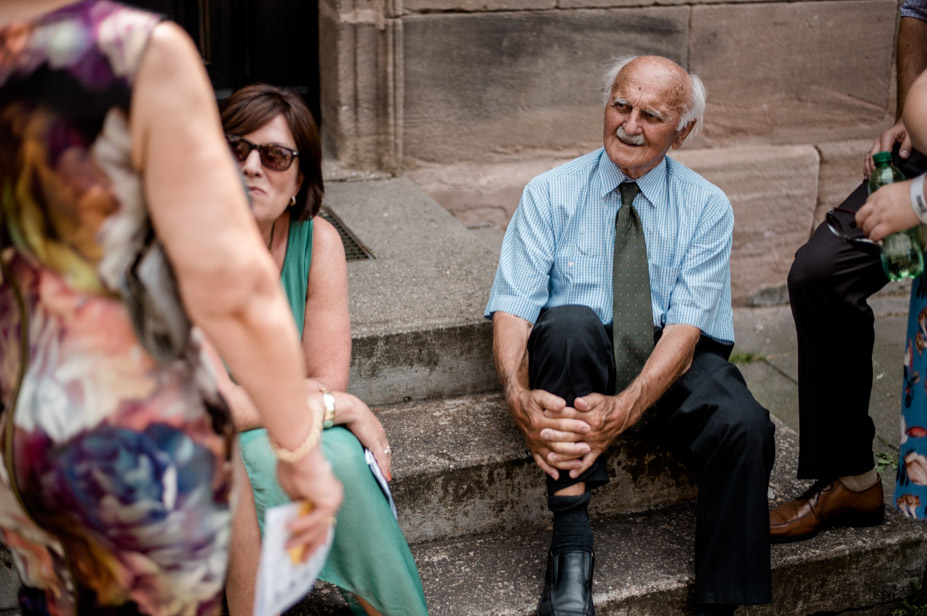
column 329, row 400
column 292, row 456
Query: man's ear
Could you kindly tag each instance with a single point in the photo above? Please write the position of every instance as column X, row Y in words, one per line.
column 681, row 135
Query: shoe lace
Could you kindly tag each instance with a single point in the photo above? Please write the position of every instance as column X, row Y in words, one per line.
column 816, row 488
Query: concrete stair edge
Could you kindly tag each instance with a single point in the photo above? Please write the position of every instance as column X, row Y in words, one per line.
column 416, row 308
column 429, row 362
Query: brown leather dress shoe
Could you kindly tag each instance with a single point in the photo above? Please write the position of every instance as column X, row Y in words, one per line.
column 824, row 504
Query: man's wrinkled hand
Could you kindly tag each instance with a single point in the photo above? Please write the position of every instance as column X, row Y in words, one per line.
column 553, row 432
column 608, row 417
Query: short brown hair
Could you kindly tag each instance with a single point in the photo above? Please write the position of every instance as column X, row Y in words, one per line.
column 251, row 107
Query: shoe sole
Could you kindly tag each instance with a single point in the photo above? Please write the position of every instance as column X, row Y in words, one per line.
column 854, row 520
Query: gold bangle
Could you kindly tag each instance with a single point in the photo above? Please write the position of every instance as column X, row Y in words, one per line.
column 292, row 456
column 328, row 399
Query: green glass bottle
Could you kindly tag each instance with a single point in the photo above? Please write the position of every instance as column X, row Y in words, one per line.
column 901, row 252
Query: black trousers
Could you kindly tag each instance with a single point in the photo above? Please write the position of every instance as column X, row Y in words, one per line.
column 708, row 420
column 830, row 283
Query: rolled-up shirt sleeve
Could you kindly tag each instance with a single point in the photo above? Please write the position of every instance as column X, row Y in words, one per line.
column 704, row 276
column 521, row 285
column 914, row 8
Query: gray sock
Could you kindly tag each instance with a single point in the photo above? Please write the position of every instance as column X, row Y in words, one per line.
column 858, row 483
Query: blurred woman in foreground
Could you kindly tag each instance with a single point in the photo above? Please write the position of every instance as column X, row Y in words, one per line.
column 896, row 207
column 116, row 491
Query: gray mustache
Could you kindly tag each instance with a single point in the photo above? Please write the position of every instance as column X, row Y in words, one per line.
column 629, row 139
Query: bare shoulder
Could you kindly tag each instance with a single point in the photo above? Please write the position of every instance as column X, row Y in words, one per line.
column 327, row 295
column 172, row 90
column 326, row 240
column 170, row 44
column 172, row 68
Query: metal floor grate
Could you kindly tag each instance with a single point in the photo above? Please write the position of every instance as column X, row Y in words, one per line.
column 353, row 249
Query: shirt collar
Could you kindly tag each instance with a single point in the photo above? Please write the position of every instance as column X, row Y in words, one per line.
column 652, row 184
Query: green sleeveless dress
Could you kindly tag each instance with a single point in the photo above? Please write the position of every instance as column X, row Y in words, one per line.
column 369, row 556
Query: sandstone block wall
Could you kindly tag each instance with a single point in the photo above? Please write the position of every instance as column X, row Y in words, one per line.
column 472, row 98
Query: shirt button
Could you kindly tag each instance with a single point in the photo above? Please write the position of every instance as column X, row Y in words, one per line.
column 570, row 264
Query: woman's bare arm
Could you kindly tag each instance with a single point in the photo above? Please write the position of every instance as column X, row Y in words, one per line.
column 327, row 324
column 225, row 276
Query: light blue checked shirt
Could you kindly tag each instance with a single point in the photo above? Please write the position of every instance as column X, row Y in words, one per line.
column 559, row 245
column 915, row 8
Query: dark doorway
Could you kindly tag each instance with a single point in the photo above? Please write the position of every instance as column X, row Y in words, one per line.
column 244, row 41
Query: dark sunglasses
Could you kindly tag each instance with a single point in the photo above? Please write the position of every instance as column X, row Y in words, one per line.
column 274, row 157
column 842, row 223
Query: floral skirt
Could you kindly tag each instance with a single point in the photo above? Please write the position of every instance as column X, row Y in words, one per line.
column 911, row 482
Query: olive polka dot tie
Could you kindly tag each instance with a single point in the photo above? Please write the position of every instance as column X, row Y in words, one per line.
column 631, row 311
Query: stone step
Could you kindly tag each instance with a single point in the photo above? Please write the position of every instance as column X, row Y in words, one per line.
column 644, row 567
column 644, row 562
column 417, row 306
column 460, row 467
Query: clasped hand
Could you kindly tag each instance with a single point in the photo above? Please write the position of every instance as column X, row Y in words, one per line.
column 568, row 438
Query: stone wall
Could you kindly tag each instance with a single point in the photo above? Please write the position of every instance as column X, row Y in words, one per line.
column 472, row 98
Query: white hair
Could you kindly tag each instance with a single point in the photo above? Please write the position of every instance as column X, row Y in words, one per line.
column 693, row 109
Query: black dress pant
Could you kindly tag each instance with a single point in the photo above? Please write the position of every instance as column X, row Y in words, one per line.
column 708, row 420
column 829, row 284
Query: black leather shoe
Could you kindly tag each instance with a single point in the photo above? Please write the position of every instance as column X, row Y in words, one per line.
column 568, row 585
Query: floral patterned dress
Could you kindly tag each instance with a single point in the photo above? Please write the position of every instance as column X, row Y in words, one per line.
column 116, row 479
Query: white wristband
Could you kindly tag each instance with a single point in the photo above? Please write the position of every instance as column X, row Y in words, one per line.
column 918, row 202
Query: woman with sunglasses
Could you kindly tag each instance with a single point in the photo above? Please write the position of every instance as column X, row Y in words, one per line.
column 276, row 142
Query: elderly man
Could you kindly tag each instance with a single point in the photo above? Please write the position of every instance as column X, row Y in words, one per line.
column 579, row 369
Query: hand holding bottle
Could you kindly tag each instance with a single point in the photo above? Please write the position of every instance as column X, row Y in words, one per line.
column 902, row 256
column 887, row 211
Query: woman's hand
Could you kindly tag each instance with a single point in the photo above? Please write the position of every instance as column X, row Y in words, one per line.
column 353, row 414
column 310, row 479
column 887, row 211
